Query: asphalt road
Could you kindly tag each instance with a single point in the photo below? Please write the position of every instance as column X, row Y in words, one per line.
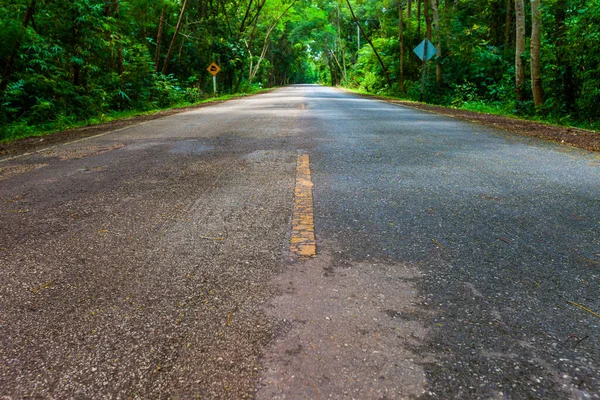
column 453, row 261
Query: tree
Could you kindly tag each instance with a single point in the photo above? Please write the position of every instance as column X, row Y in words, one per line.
column 174, row 39
column 159, row 35
column 520, row 50
column 106, row 55
column 438, row 45
column 428, row 19
column 385, row 72
column 535, row 49
column 254, row 69
column 507, row 25
column 8, row 69
column 401, row 40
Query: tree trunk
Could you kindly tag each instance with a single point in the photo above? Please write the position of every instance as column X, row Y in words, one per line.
column 419, row 20
column 185, row 36
column 344, row 63
column 341, row 44
column 246, row 14
column 174, row 39
column 507, row 26
column 495, row 23
column 401, row 40
column 438, row 42
column 408, row 9
column 337, row 62
column 248, row 42
column 385, row 72
column 10, row 63
column 536, row 67
column 107, row 8
column 519, row 50
column 331, row 71
column 427, row 19
column 251, row 58
column 161, row 25
column 254, row 71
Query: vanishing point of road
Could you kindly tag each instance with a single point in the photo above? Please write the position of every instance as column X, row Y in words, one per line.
column 305, row 243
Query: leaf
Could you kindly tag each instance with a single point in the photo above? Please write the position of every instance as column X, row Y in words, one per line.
column 584, row 308
column 437, row 244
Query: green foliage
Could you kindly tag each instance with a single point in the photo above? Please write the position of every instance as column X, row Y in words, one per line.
column 367, row 72
column 84, row 59
column 464, row 93
column 572, row 52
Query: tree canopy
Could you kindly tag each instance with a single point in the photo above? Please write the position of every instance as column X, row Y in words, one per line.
column 62, row 62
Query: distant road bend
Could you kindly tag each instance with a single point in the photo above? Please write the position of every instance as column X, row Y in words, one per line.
column 304, row 243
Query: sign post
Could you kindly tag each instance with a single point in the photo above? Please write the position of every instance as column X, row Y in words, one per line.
column 425, row 50
column 214, row 69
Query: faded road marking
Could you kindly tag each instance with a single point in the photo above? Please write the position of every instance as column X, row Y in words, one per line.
column 302, row 241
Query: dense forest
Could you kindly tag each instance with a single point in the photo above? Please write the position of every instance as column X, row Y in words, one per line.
column 66, row 62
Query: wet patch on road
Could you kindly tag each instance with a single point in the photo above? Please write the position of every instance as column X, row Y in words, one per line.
column 192, row 147
column 350, row 333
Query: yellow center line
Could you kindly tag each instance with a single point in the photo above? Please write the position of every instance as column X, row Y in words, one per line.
column 302, row 240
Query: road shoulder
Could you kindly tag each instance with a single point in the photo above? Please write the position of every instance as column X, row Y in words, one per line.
column 574, row 137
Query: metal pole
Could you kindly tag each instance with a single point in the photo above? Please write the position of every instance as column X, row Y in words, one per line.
column 214, row 84
column 424, row 69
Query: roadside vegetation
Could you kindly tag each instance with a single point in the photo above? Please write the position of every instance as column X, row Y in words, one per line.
column 65, row 64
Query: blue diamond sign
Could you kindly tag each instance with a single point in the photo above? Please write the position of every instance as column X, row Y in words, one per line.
column 420, row 50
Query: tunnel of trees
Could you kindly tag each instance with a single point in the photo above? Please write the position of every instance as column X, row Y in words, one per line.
column 68, row 61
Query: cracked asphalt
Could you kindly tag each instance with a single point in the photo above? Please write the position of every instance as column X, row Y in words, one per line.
column 453, row 260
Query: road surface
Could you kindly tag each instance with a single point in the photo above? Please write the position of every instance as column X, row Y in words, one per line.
column 165, row 260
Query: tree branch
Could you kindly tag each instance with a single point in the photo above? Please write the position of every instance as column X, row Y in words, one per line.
column 387, row 77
